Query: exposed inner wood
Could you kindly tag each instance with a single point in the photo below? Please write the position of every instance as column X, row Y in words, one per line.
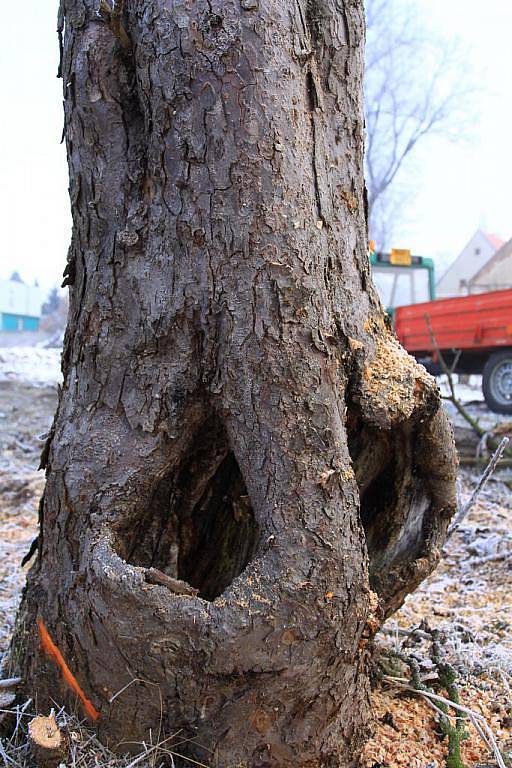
column 199, row 526
column 48, row 742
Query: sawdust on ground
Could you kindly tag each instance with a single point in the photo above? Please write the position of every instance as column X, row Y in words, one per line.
column 468, row 598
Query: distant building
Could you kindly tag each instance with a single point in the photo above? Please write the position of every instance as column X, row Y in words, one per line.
column 456, row 281
column 496, row 274
column 20, row 306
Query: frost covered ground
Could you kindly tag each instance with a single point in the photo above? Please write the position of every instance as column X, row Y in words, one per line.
column 33, row 365
column 468, row 598
column 26, row 413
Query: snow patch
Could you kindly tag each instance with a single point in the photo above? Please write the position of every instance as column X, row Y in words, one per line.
column 34, row 365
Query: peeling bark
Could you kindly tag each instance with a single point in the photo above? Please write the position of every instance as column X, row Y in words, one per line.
column 236, row 418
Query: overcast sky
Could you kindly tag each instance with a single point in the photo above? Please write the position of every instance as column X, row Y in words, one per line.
column 466, row 185
column 460, row 187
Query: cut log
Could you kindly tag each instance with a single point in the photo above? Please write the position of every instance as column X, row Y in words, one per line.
column 48, row 742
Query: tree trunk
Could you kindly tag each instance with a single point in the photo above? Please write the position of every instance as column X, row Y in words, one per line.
column 242, row 454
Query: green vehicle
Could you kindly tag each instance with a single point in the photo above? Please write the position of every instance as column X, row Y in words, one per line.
column 402, row 279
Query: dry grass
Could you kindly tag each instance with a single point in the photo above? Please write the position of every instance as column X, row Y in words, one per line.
column 85, row 750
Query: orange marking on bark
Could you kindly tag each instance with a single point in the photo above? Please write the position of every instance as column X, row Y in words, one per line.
column 54, row 653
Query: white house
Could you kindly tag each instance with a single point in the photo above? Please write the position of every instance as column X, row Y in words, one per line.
column 457, row 278
column 20, row 306
column 496, row 274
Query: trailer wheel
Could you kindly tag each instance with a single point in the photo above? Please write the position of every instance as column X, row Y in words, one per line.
column 497, row 382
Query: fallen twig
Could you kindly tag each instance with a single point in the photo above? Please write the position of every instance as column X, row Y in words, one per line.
column 489, row 470
column 406, row 632
column 86, row 751
column 477, row 720
column 449, row 375
column 473, row 461
column 496, row 558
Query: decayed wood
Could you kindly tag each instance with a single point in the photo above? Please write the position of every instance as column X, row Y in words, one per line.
column 47, row 741
column 235, row 412
column 154, row 576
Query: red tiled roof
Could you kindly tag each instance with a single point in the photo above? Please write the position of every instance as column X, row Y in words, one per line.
column 495, row 240
column 501, row 254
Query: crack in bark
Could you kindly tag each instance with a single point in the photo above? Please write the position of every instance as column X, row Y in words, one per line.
column 314, row 105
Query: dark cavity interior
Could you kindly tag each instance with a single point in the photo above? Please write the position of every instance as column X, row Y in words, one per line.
column 199, row 526
column 393, row 496
column 373, row 457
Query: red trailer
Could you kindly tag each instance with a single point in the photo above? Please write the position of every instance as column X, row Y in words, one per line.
column 475, row 332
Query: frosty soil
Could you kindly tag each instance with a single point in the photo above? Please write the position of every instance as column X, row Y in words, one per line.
column 26, row 412
column 469, row 596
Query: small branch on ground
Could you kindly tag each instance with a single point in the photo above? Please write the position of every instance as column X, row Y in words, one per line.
column 448, row 680
column 449, row 371
column 84, row 750
column 489, row 471
column 498, row 557
column 453, row 716
column 414, row 632
column 472, row 461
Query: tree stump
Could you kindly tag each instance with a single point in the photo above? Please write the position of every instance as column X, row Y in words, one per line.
column 47, row 741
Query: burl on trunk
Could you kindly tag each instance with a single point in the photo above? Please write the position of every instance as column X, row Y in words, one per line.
column 246, row 472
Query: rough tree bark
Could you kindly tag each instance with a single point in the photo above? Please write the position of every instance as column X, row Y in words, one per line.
column 236, row 415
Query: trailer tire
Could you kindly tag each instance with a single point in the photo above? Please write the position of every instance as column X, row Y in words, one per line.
column 497, row 382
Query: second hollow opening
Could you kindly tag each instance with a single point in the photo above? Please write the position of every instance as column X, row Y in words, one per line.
column 394, row 497
column 199, row 526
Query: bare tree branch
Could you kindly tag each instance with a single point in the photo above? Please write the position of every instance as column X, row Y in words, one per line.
column 449, row 372
column 489, row 471
column 413, row 90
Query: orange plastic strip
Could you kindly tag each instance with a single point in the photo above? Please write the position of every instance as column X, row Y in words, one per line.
column 54, row 653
